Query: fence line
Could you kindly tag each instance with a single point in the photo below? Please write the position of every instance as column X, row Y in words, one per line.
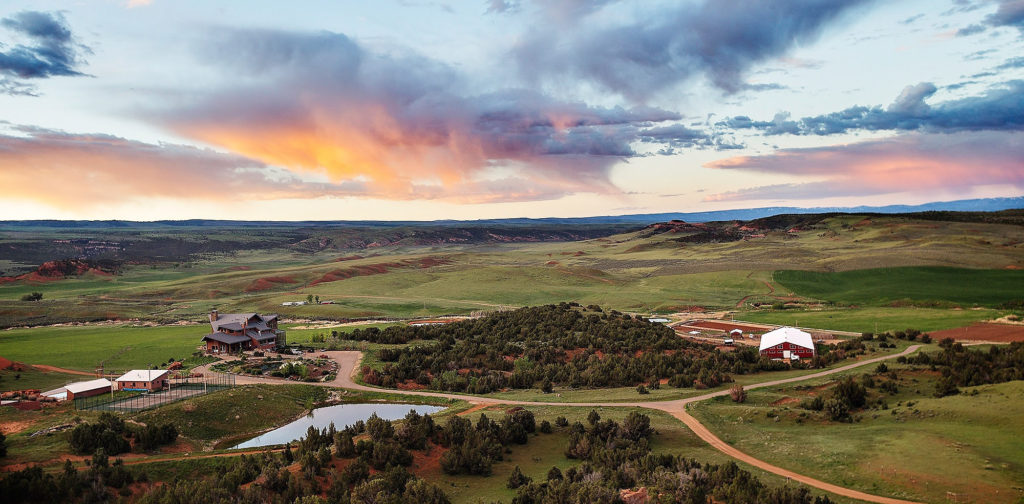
column 178, row 389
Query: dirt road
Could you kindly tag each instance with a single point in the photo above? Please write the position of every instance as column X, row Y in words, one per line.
column 348, row 365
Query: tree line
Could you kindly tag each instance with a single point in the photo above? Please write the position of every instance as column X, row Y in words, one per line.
column 560, row 345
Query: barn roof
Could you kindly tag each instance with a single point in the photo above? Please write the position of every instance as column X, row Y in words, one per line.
column 786, row 335
column 85, row 386
column 227, row 339
column 142, row 375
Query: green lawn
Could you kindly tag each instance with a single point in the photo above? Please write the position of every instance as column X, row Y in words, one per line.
column 117, row 347
column 32, row 378
column 873, row 319
column 968, row 444
column 927, row 284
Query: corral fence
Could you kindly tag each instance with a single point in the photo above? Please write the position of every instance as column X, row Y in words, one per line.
column 177, row 390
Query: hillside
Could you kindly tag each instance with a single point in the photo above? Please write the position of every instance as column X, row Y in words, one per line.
column 406, row 272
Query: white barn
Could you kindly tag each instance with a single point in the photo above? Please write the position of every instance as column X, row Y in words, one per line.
column 787, row 343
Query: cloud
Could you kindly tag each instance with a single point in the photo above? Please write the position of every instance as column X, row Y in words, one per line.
column 912, row 162
column 51, row 50
column 641, row 57
column 1008, row 13
column 501, row 6
column 73, row 171
column 999, row 108
column 406, row 124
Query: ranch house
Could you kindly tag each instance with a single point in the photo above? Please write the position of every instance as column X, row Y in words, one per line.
column 235, row 332
column 787, row 343
column 150, row 380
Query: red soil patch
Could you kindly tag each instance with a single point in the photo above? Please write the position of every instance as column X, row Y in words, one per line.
column 53, row 369
column 579, row 253
column 28, row 405
column 239, row 268
column 13, row 427
column 348, row 258
column 1013, row 267
column 474, row 409
column 983, row 332
column 51, row 271
column 786, row 400
column 727, row 326
column 378, row 269
column 265, row 283
column 551, row 263
column 424, row 463
column 9, row 364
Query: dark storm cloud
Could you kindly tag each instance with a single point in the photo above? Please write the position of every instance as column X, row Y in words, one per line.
column 52, row 50
column 718, row 39
column 1000, row 108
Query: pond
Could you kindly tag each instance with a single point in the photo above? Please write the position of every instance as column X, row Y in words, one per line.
column 341, row 415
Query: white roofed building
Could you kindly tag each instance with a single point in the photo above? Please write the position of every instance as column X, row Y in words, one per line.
column 787, row 343
column 88, row 388
column 143, row 379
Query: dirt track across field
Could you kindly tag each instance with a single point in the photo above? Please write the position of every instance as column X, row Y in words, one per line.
column 348, row 364
column 983, row 332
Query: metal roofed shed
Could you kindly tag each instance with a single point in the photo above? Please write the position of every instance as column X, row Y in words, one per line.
column 88, row 388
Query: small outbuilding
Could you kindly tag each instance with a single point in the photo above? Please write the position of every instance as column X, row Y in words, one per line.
column 149, row 380
column 88, row 388
column 736, row 334
column 787, row 343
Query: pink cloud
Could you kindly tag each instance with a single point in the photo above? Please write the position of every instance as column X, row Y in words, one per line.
column 923, row 163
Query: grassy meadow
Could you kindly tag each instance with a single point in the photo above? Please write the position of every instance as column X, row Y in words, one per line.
column 919, row 448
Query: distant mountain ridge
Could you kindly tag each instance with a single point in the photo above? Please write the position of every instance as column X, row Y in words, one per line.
column 745, row 214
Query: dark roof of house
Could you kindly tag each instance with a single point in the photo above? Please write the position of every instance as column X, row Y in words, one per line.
column 227, row 339
column 239, row 321
column 262, row 335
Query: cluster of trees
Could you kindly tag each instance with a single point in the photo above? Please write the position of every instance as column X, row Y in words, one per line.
column 473, row 449
column 111, row 434
column 618, row 456
column 845, row 397
column 70, row 485
column 267, row 478
column 33, row 296
column 965, row 367
column 554, row 345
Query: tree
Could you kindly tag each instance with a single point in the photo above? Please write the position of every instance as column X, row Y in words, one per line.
column 837, row 409
column 309, row 298
column 554, row 474
column 946, row 387
column 737, row 393
column 518, row 479
column 35, row 296
column 317, row 298
column 593, row 417
column 546, row 386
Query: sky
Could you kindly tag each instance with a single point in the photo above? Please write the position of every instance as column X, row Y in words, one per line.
column 423, row 110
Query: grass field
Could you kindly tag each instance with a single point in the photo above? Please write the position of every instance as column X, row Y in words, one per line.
column 919, row 449
column 874, row 319
column 117, row 347
column 882, row 286
column 630, row 272
column 32, row 378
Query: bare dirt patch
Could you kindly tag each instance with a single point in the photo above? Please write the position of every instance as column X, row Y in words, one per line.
column 379, row 269
column 983, row 332
column 266, row 283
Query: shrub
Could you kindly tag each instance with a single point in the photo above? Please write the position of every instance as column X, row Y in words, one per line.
column 813, row 404
column 518, row 479
column 737, row 393
column 545, row 427
column 561, row 422
column 642, row 389
column 837, row 409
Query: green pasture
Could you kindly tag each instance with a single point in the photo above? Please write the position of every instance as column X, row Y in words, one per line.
column 920, row 448
column 879, row 319
column 31, row 378
column 118, row 347
column 882, row 286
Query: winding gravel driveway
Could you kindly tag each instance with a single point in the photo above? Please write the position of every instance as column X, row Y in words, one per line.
column 348, row 364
